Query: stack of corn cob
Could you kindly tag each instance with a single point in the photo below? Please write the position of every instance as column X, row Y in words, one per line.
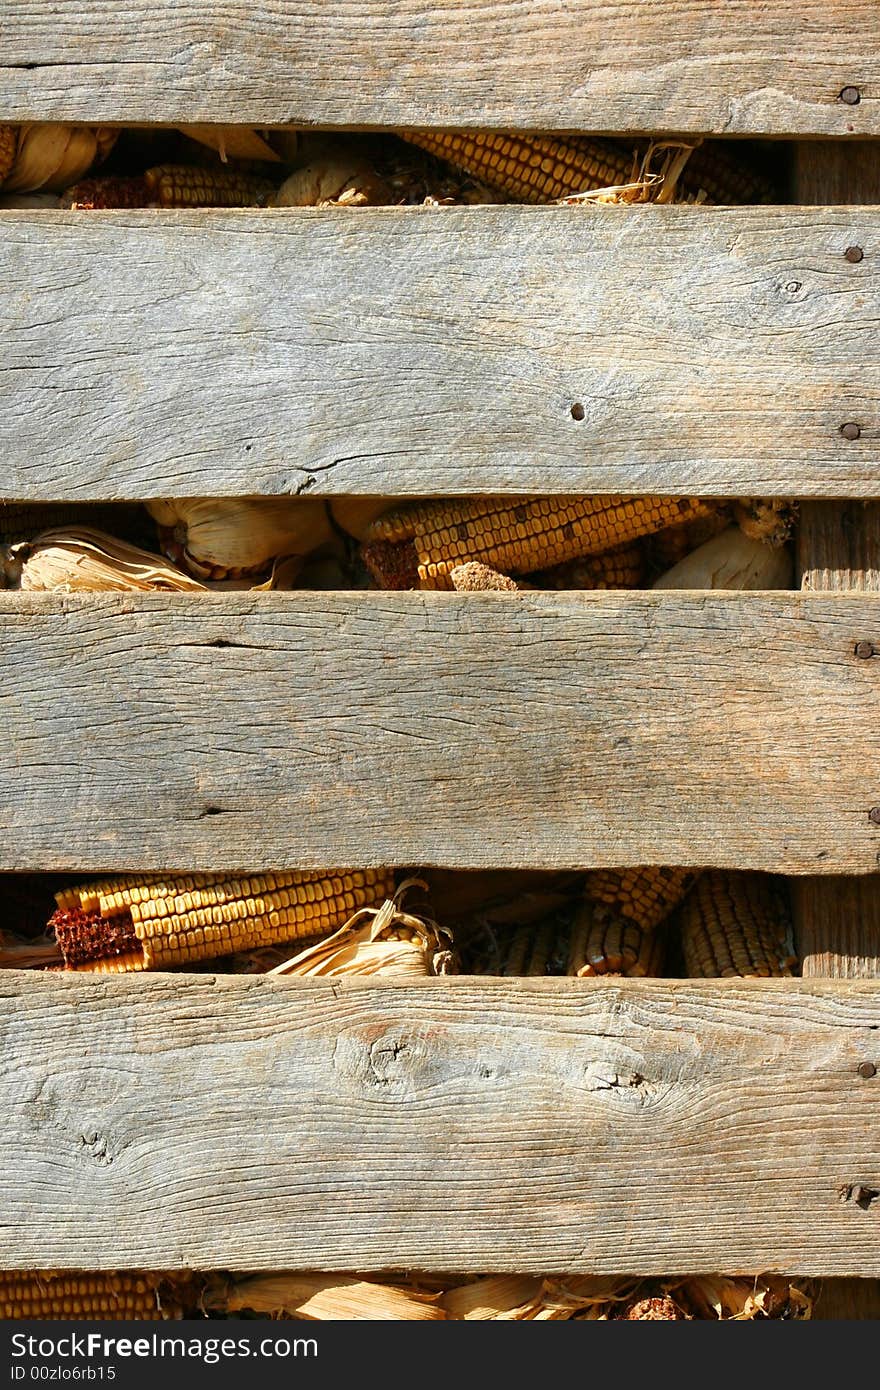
column 43, row 1294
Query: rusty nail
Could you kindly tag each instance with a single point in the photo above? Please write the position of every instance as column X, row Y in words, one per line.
column 850, row 96
column 864, row 650
column 854, row 254
column 874, row 815
column 867, row 1070
column 850, row 430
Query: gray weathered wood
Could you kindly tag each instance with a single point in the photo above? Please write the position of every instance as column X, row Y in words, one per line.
column 439, row 351
column 838, row 920
column 478, row 730
column 731, row 68
column 652, row 1127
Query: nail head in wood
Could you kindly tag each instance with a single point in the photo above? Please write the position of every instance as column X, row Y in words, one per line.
column 577, row 411
column 867, row 1070
column 850, row 96
column 864, row 650
column 854, row 254
column 850, row 430
column 874, row 815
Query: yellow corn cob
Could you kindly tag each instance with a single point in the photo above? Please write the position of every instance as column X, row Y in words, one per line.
column 186, row 186
column 643, row 895
column 153, row 923
column 43, row 1294
column 540, row 168
column 8, row 146
column 621, row 568
column 603, row 943
column 736, row 924
column 530, row 168
column 531, row 950
column 422, row 543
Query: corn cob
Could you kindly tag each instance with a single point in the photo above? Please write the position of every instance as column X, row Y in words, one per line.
column 644, row 896
column 112, row 191
column 21, row 521
column 8, row 144
column 604, row 944
column 44, row 1294
column 736, row 924
column 660, row 1308
column 621, row 568
column 529, row 168
column 152, row 923
column 541, row 168
column 186, row 186
column 423, row 542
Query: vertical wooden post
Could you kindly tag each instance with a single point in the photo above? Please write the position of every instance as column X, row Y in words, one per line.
column 838, row 919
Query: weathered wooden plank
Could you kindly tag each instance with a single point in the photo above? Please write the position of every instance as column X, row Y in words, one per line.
column 652, row 1127
column 715, row 351
column 529, row 730
column 838, row 920
column 736, row 68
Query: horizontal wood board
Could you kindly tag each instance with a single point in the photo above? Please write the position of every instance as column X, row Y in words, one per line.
column 649, row 1127
column 734, row 68
column 252, row 731
column 439, row 351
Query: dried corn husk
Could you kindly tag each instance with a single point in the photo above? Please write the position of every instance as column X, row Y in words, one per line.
column 742, row 1300
column 328, row 1298
column 231, row 141
column 232, row 538
column 392, row 942
column 731, row 560
column 336, row 179
column 52, row 156
column 493, row 1297
column 69, row 560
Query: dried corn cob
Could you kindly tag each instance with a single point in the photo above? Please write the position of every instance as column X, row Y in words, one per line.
column 110, row 192
column 152, row 923
column 21, row 521
column 660, row 1308
column 621, row 568
column 604, row 944
column 731, row 560
column 737, row 924
column 540, row 168
column 187, row 186
column 643, row 895
column 8, row 145
column 530, row 168
column 425, row 541
column 339, row 177
column 43, row 1294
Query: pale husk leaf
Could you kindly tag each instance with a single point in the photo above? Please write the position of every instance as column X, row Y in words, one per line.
column 51, row 156
column 731, row 560
column 72, row 560
column 337, row 177
column 216, row 538
column 231, row 141
column 390, row 942
column 330, row 1298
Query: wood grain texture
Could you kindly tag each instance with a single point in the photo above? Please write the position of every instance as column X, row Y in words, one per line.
column 847, row 1299
column 650, row 1127
column 243, row 731
column 735, row 68
column 838, row 920
column 417, row 351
